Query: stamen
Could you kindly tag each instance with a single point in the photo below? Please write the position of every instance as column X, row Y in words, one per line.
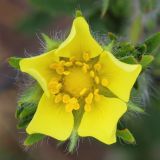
column 87, row 107
column 104, row 82
column 66, row 73
column 54, row 87
column 86, row 56
column 97, row 66
column 60, row 70
column 89, row 98
column 96, row 79
column 78, row 63
column 92, row 74
column 68, row 64
column 72, row 104
column 83, row 91
column 66, row 98
column 85, row 68
column 53, row 65
column 58, row 98
column 62, row 62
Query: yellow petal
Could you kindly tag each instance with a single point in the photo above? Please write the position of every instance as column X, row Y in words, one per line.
column 51, row 119
column 38, row 68
column 79, row 41
column 121, row 76
column 101, row 121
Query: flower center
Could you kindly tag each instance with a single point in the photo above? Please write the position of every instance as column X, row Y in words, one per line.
column 79, row 81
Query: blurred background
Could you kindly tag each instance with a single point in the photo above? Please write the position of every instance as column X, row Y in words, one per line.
column 21, row 25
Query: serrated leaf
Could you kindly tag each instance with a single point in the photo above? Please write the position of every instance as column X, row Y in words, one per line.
column 133, row 107
column 33, row 138
column 129, row 60
column 126, row 136
column 14, row 62
column 105, row 4
column 50, row 44
column 153, row 42
column 146, row 60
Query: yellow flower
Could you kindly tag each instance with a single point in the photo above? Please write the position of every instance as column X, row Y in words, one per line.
column 73, row 77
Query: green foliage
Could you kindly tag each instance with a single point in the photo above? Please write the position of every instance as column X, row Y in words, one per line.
column 105, row 5
column 14, row 62
column 146, row 60
column 153, row 43
column 50, row 44
column 33, row 138
column 27, row 105
column 135, row 108
column 126, row 136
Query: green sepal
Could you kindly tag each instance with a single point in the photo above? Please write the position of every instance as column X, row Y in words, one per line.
column 126, row 136
column 78, row 13
column 146, row 60
column 14, row 62
column 135, row 108
column 23, row 123
column 33, row 138
column 153, row 42
column 50, row 44
column 31, row 94
column 28, row 110
column 105, row 5
column 109, row 47
column 129, row 60
column 112, row 36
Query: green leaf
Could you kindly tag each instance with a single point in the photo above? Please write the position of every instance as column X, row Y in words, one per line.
column 153, row 42
column 135, row 29
column 14, row 62
column 33, row 138
column 129, row 60
column 50, row 44
column 146, row 60
column 133, row 107
column 105, row 4
column 126, row 136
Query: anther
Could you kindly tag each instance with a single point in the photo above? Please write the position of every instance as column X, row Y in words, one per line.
column 66, row 73
column 58, row 98
column 86, row 56
column 92, row 74
column 78, row 63
column 83, row 91
column 68, row 64
column 89, row 98
column 96, row 79
column 104, row 82
column 87, row 107
column 97, row 66
column 85, row 68
column 66, row 98
column 60, row 70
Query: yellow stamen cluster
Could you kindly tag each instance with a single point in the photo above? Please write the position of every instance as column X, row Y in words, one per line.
column 79, row 81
